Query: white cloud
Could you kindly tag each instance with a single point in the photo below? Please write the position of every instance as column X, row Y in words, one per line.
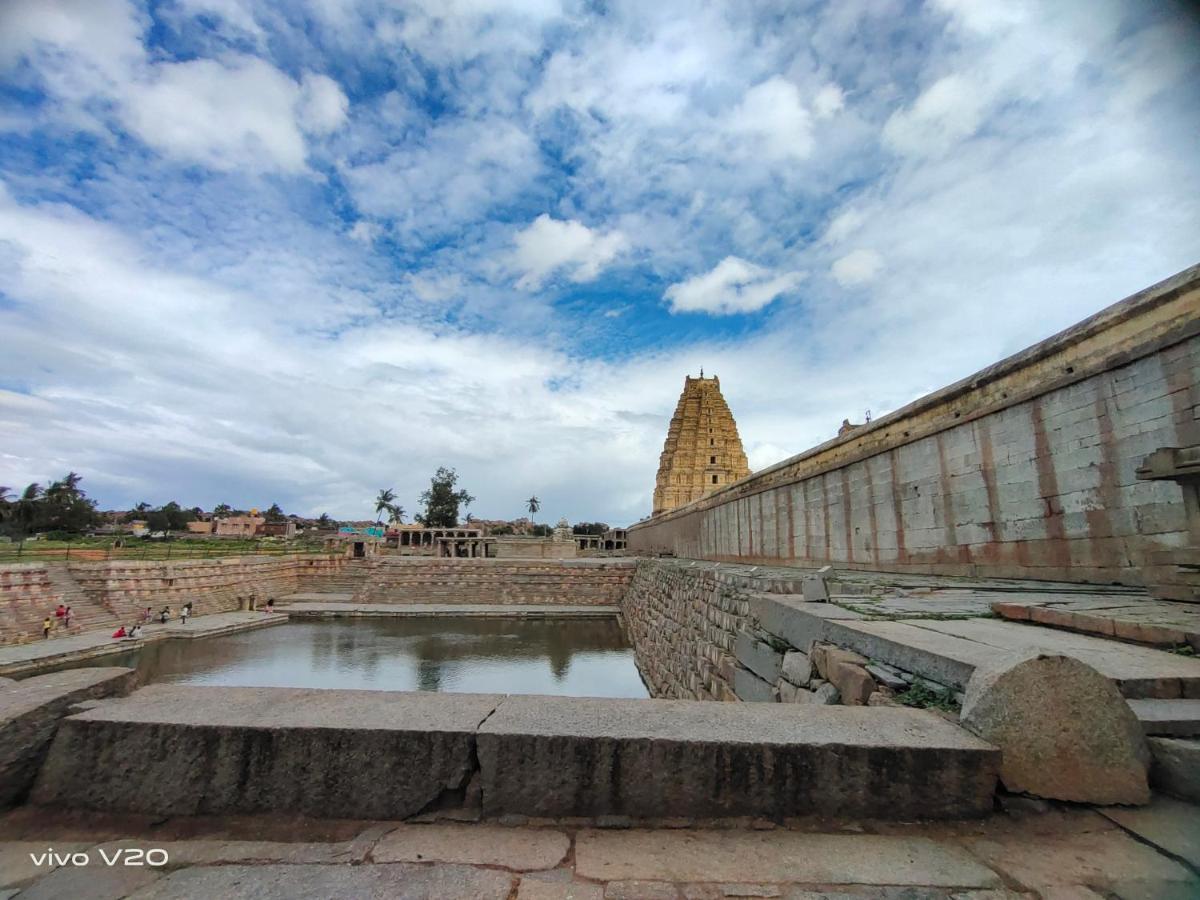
column 323, row 106
column 732, row 286
column 773, row 114
column 945, row 113
column 549, row 245
column 857, row 267
column 366, row 232
column 829, row 100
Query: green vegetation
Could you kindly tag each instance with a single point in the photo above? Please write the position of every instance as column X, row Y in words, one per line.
column 442, row 501
column 596, row 528
column 926, row 696
column 385, row 502
column 62, row 506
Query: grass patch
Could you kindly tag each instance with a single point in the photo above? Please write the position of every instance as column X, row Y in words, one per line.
column 923, row 695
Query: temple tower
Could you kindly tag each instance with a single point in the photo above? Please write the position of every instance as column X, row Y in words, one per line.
column 703, row 451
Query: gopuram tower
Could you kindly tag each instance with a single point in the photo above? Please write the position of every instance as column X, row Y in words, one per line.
column 703, row 452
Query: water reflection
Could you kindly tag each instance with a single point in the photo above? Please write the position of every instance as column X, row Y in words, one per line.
column 572, row 657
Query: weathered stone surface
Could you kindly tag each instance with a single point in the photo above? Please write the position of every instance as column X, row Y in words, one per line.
column 1093, row 858
column 95, row 882
column 826, row 656
column 1063, row 728
column 550, row 756
column 213, row 852
column 795, row 621
column 282, row 882
column 825, row 694
column 533, row 888
column 814, row 588
column 849, row 677
column 640, row 890
column 797, row 668
column 760, row 658
column 18, row 868
column 887, row 677
column 209, row 750
column 778, row 856
column 30, row 711
column 1176, row 767
column 1170, row 825
column 519, row 849
column 750, row 687
column 1168, row 718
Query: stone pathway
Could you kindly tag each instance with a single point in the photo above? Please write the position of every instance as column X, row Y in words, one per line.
column 23, row 659
column 1158, row 622
column 307, row 609
column 1031, row 850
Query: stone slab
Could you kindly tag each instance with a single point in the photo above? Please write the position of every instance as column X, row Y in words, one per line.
column 1168, row 718
column 305, row 610
column 778, row 856
column 553, row 756
column 760, row 658
column 18, row 868
column 93, row 882
column 536, row 889
column 1140, row 672
column 284, row 882
column 751, row 688
column 1097, row 859
column 221, row 750
column 30, row 711
column 1170, row 825
column 519, row 849
column 796, row 621
column 1175, row 769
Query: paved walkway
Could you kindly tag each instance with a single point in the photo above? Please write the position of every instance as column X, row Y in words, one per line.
column 325, row 609
column 1031, row 850
column 36, row 655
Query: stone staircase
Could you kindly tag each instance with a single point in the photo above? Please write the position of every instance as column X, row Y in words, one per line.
column 31, row 592
column 346, row 580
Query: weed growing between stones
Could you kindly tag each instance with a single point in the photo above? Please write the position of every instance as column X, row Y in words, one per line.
column 925, row 696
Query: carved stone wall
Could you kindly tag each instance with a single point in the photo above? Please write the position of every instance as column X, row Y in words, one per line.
column 703, row 451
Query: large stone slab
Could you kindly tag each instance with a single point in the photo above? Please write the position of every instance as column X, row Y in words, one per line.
column 284, row 882
column 776, row 856
column 1170, row 825
column 760, row 658
column 1168, row 718
column 30, row 711
column 1176, row 767
column 1064, row 729
column 184, row 749
column 552, row 756
column 519, row 849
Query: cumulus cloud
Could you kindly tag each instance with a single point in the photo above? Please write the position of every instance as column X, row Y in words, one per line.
column 774, row 114
column 549, row 245
column 946, row 112
column 857, row 267
column 732, row 286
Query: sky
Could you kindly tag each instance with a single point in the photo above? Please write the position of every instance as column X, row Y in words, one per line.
column 298, row 252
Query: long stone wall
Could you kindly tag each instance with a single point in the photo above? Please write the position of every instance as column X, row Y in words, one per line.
column 1026, row 469
column 423, row 580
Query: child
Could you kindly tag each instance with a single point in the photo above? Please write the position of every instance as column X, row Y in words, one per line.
column 46, row 628
column 67, row 619
column 185, row 612
column 120, row 632
column 136, row 633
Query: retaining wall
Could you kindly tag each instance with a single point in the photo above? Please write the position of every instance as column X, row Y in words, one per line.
column 1025, row 469
column 495, row 581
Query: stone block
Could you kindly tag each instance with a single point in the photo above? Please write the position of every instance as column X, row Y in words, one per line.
column 750, row 687
column 887, row 677
column 849, row 676
column 797, row 667
column 1064, row 729
column 650, row 759
column 1176, row 767
column 230, row 750
column 30, row 711
column 825, row 694
column 517, row 849
column 760, row 658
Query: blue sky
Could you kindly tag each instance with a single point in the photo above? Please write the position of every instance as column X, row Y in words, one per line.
column 296, row 252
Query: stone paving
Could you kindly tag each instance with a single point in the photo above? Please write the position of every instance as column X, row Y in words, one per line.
column 25, row 658
column 1031, row 849
column 326, row 609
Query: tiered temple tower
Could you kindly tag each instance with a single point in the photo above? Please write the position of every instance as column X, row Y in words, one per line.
column 703, row 452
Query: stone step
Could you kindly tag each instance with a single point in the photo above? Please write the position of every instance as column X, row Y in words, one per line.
column 534, row 756
column 1176, row 767
column 948, row 651
column 1168, row 718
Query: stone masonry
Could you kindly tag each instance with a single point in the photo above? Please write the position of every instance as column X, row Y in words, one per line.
column 703, row 451
column 1026, row 469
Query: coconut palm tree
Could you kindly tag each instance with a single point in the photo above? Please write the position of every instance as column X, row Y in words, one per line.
column 25, row 510
column 383, row 501
column 533, row 504
column 397, row 513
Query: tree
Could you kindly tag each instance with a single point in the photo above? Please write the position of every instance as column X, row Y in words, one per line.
column 596, row 528
column 323, row 521
column 396, row 511
column 442, row 501
column 222, row 511
column 274, row 514
column 533, row 504
column 383, row 501
column 6, row 496
column 169, row 517
column 25, row 510
column 541, row 531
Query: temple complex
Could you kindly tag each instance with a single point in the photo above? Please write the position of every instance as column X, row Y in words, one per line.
column 703, row 451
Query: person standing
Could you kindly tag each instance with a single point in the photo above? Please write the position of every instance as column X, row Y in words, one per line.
column 185, row 612
column 46, row 625
column 67, row 619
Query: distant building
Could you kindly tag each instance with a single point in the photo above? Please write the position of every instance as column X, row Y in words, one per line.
column 200, row 527
column 238, row 526
column 286, row 530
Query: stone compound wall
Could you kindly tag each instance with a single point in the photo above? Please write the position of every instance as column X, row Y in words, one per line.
column 1025, row 469
column 701, row 633
column 569, row 582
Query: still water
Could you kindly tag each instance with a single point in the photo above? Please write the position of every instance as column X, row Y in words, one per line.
column 570, row 657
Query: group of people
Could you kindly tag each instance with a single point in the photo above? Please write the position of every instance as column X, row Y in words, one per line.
column 63, row 614
column 164, row 616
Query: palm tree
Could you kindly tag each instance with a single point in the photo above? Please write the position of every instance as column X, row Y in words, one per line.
column 5, row 501
column 533, row 504
column 383, row 501
column 397, row 513
column 25, row 510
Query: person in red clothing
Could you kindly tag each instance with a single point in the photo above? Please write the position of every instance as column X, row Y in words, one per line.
column 120, row 632
column 59, row 613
